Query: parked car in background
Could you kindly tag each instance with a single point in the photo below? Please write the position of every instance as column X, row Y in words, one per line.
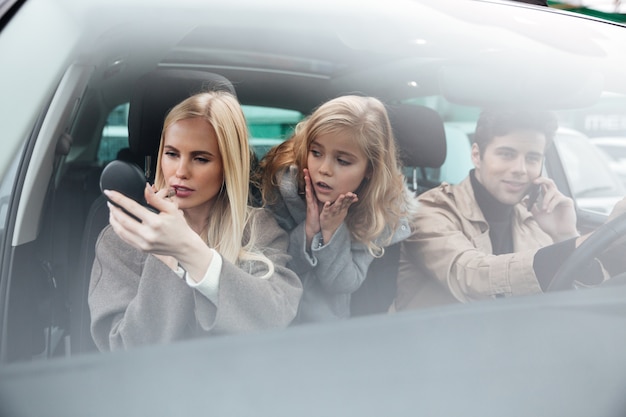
column 591, row 181
column 72, row 69
column 614, row 150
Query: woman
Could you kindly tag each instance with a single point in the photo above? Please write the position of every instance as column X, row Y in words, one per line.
column 207, row 263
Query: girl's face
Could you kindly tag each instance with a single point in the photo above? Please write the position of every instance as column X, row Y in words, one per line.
column 192, row 164
column 336, row 165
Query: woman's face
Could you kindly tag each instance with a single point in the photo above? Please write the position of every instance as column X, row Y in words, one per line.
column 192, row 164
column 336, row 165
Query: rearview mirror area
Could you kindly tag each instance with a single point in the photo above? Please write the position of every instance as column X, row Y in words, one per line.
column 507, row 82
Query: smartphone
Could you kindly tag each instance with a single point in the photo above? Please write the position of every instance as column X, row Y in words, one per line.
column 126, row 178
column 534, row 195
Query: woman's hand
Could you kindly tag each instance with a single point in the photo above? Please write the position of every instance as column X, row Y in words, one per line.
column 164, row 233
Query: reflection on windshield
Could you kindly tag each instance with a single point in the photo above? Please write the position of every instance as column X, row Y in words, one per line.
column 593, row 184
column 616, row 152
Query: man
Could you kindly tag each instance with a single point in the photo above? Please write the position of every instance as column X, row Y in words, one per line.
column 483, row 238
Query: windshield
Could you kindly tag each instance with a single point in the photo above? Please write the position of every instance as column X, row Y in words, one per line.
column 408, row 220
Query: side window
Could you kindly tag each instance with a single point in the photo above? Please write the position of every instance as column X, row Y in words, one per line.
column 114, row 134
column 269, row 126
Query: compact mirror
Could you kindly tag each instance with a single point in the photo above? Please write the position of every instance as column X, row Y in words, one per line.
column 126, row 178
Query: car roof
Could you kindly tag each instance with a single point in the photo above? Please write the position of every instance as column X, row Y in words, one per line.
column 278, row 41
column 308, row 52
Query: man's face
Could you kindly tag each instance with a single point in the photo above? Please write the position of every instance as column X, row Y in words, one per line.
column 509, row 164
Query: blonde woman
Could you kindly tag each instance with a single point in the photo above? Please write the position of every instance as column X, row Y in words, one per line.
column 207, row 263
column 337, row 187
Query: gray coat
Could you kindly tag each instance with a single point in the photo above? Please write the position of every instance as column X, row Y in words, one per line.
column 135, row 299
column 331, row 272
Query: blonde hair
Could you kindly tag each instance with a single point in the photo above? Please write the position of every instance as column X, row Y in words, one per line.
column 230, row 213
column 383, row 199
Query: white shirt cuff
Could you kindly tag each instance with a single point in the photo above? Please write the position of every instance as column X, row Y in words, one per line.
column 209, row 284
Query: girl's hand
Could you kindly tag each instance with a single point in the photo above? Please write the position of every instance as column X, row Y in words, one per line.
column 312, row 224
column 333, row 214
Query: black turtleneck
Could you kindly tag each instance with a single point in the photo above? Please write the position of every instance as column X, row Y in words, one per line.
column 499, row 216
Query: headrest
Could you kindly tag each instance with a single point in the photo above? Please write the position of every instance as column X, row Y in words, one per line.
column 420, row 135
column 155, row 94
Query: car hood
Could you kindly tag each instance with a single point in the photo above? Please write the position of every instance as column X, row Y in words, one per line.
column 494, row 358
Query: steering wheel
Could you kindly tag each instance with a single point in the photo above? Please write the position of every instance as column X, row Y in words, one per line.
column 595, row 244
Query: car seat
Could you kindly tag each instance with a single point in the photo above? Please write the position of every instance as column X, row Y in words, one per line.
column 152, row 97
column 421, row 140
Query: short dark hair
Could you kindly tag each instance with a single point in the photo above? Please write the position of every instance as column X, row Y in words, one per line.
column 492, row 123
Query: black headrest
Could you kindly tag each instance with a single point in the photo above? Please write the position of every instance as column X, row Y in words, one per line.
column 155, row 94
column 420, row 135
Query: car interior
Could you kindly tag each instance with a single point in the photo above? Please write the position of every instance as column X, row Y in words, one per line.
column 76, row 212
column 87, row 83
column 61, row 210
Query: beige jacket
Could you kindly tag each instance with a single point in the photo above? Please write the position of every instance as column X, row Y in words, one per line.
column 449, row 257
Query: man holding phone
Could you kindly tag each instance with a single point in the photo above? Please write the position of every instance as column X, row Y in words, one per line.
column 487, row 237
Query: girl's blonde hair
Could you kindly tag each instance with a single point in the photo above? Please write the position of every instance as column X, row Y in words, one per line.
column 383, row 198
column 230, row 213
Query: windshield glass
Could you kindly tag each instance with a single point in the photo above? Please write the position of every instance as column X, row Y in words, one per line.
column 593, row 184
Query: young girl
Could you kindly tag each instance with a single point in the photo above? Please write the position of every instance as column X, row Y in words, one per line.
column 337, row 187
column 207, row 263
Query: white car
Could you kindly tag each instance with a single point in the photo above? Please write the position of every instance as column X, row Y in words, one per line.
column 591, row 181
column 614, row 149
column 71, row 69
